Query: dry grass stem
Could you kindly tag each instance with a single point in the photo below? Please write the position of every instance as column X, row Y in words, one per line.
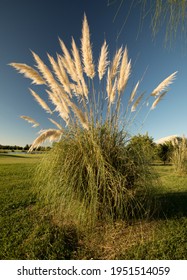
column 42, row 103
column 28, row 72
column 103, row 62
column 30, row 120
column 87, row 50
column 164, row 84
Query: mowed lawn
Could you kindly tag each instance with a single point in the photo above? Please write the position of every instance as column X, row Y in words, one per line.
column 27, row 231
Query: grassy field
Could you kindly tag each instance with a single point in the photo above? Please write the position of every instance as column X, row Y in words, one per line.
column 27, row 231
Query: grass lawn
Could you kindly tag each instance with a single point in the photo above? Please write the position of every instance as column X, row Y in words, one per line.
column 27, row 232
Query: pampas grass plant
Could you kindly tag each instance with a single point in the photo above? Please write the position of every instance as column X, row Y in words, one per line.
column 89, row 175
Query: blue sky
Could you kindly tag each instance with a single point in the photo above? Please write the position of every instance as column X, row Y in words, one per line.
column 36, row 25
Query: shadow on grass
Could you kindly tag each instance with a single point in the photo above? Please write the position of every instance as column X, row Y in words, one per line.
column 171, row 205
column 160, row 206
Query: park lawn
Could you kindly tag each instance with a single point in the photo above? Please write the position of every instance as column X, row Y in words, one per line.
column 27, row 232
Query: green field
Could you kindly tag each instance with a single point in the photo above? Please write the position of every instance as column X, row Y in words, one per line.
column 27, row 231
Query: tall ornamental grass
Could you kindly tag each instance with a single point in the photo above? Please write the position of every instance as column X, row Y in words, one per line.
column 90, row 174
column 179, row 155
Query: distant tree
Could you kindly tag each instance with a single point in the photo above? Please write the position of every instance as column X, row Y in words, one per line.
column 164, row 151
column 143, row 145
column 26, row 148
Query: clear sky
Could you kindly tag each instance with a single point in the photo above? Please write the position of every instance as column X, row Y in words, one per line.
column 37, row 24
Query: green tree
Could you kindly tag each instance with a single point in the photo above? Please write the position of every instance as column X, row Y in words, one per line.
column 164, row 151
column 26, row 148
column 144, row 146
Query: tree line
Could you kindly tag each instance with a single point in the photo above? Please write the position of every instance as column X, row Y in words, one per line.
column 20, row 148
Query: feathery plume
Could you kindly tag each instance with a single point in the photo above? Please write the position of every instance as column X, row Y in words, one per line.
column 60, row 106
column 124, row 73
column 60, row 74
column 158, row 100
column 66, row 84
column 68, row 62
column 136, row 103
column 42, row 103
column 48, row 134
column 164, row 84
column 87, row 50
column 46, row 73
column 77, row 89
column 84, row 87
column 109, row 84
column 113, row 91
column 103, row 62
column 28, row 72
column 116, row 63
column 80, row 115
column 77, row 60
column 30, row 120
column 55, row 123
column 133, row 93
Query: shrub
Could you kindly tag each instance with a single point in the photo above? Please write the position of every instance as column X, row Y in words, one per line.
column 143, row 145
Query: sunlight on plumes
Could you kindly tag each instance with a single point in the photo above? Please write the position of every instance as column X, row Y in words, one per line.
column 164, row 84
column 72, row 89
column 48, row 134
column 103, row 62
column 68, row 62
column 116, row 63
column 87, row 50
column 60, row 74
column 28, row 72
column 125, row 70
column 77, row 60
column 46, row 73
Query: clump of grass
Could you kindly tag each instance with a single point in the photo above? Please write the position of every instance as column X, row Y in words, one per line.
column 179, row 155
column 90, row 174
